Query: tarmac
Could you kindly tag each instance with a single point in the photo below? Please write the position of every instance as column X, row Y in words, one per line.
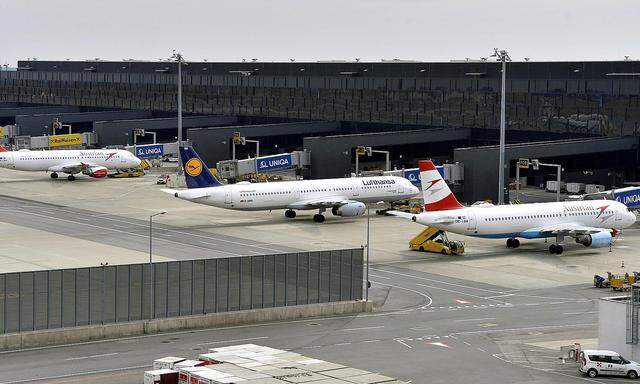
column 491, row 315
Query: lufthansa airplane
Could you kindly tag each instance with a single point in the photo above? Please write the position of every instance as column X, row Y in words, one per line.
column 91, row 162
column 591, row 223
column 345, row 197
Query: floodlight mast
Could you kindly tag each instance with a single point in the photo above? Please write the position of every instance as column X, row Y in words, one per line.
column 502, row 56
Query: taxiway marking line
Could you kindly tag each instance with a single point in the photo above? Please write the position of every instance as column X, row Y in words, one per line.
column 234, row 341
column 486, row 318
column 92, row 356
column 49, row 378
column 362, row 328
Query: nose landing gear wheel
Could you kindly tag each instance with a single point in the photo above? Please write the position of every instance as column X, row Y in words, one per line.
column 54, row 175
column 318, row 218
column 290, row 213
column 71, row 178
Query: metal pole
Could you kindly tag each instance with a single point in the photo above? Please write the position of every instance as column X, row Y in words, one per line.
column 257, row 148
column 501, row 169
column 558, row 181
column 179, row 57
column 366, row 295
column 233, row 150
column 151, row 297
column 517, row 182
column 357, row 164
column 388, row 164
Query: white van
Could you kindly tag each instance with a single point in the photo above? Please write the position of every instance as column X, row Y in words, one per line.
column 597, row 362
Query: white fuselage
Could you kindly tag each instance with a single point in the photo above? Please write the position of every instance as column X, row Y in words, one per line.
column 47, row 160
column 528, row 220
column 290, row 194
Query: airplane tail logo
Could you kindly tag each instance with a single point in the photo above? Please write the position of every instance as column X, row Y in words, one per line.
column 435, row 191
column 3, row 149
column 193, row 167
column 196, row 174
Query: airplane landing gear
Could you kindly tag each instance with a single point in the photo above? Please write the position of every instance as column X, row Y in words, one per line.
column 290, row 213
column 318, row 218
column 54, row 175
column 71, row 178
column 556, row 249
column 513, row 243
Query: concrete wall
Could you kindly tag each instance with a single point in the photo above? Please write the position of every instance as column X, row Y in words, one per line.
column 612, row 328
column 40, row 124
column 213, row 144
column 481, row 163
column 118, row 132
column 9, row 112
column 336, row 150
column 22, row 340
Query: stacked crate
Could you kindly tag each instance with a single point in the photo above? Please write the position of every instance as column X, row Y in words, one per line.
column 254, row 364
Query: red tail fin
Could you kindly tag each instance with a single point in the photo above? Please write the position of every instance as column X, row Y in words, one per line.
column 436, row 192
column 3, row 149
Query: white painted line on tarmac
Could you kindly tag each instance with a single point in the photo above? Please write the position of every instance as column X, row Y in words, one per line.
column 234, row 341
column 342, row 344
column 371, row 341
column 362, row 328
column 481, row 350
column 579, row 313
column 405, row 344
column 76, row 374
column 379, row 277
column 485, row 318
column 458, row 292
column 206, row 242
column 92, row 356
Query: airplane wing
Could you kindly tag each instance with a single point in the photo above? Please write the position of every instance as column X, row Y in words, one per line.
column 71, row 168
column 327, row 201
column 569, row 229
column 405, row 215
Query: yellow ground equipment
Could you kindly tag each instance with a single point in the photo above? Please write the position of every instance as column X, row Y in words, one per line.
column 124, row 173
column 144, row 164
column 620, row 282
column 435, row 240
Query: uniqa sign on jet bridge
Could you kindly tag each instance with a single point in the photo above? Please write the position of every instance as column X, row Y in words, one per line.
column 270, row 163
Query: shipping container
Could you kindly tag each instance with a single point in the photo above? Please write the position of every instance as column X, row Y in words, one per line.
column 593, row 188
column 575, row 187
column 552, row 185
column 166, row 362
column 161, row 376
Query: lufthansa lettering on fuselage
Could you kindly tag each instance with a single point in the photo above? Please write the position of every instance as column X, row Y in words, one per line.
column 378, row 182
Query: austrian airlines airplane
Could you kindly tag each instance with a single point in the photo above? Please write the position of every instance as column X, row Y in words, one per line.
column 591, row 223
column 345, row 197
column 91, row 162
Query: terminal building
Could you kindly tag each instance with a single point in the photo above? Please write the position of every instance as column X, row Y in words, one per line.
column 582, row 115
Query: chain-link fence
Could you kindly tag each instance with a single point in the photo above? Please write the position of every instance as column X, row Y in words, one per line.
column 112, row 294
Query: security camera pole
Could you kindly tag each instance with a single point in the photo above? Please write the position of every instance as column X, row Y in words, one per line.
column 502, row 56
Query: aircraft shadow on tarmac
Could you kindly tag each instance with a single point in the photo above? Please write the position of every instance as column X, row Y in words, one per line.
column 303, row 222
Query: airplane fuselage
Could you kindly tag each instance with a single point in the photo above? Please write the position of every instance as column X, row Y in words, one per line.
column 527, row 220
column 45, row 160
column 286, row 194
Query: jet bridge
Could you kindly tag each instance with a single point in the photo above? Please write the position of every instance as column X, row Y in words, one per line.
column 233, row 169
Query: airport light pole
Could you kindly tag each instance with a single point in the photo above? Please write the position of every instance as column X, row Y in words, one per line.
column 366, row 273
column 503, row 56
column 180, row 60
column 153, row 280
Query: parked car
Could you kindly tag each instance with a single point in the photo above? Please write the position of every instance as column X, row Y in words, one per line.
column 600, row 362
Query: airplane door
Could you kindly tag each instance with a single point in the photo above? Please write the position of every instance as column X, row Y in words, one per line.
column 356, row 187
column 227, row 196
column 471, row 216
column 618, row 215
column 400, row 188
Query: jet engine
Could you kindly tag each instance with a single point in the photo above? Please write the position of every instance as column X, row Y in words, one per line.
column 349, row 210
column 596, row 240
column 96, row 172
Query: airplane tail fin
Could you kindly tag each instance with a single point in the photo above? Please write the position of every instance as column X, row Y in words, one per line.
column 435, row 191
column 196, row 173
column 3, row 149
